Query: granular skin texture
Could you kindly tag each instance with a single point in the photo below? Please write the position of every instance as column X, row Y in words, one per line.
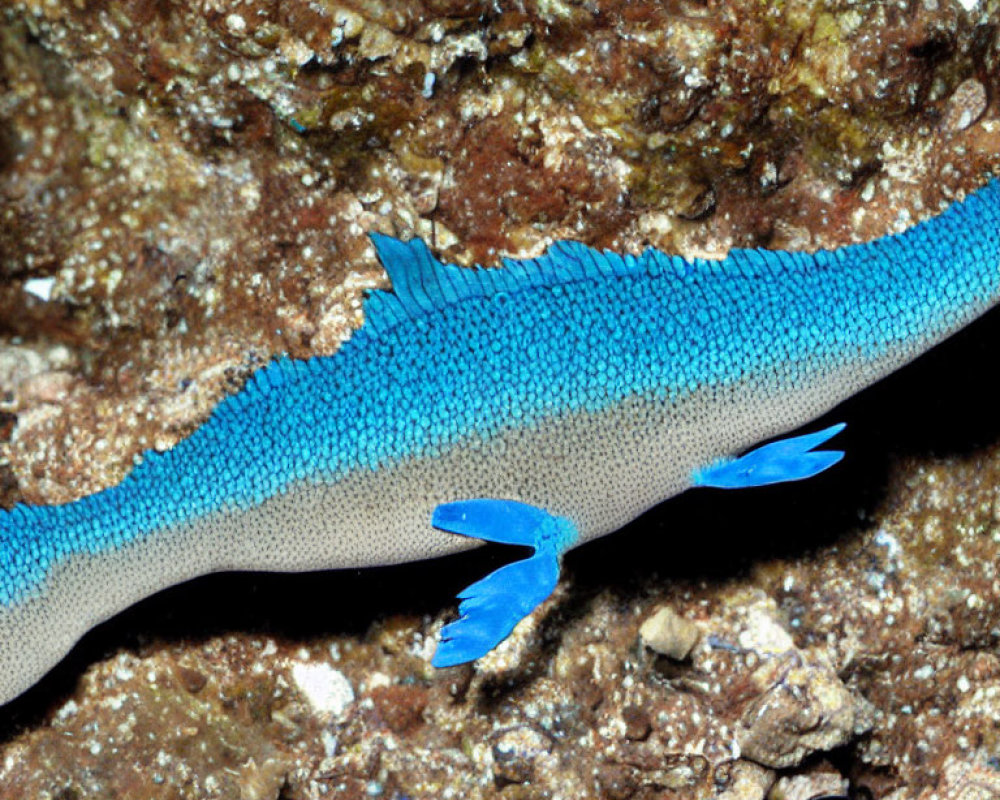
column 197, row 180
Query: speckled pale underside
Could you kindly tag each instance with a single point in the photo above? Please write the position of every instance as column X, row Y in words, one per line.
column 586, row 384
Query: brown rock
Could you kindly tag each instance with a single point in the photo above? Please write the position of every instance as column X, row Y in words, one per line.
column 191, row 679
column 398, row 708
column 805, row 708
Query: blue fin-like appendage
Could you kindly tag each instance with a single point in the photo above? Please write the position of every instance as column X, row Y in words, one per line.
column 785, row 460
column 421, row 284
column 491, row 607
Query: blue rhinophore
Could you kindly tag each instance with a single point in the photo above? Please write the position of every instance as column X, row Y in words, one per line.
column 790, row 459
column 455, row 354
column 491, row 607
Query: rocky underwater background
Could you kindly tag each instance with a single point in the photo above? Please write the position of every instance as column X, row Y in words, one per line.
column 185, row 192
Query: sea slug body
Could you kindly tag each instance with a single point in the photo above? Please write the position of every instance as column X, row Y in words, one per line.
column 544, row 403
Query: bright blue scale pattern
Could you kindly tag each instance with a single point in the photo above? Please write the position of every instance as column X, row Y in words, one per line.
column 455, row 353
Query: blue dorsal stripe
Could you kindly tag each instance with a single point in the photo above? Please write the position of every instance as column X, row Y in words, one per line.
column 421, row 284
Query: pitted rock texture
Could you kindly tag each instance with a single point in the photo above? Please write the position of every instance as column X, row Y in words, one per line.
column 185, row 190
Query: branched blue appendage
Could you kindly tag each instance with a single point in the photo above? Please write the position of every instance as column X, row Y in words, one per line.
column 785, row 460
column 491, row 607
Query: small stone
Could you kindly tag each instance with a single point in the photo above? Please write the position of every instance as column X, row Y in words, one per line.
column 669, row 634
column 327, row 690
column 192, row 680
column 764, row 633
column 236, row 25
column 966, row 105
column 40, row 288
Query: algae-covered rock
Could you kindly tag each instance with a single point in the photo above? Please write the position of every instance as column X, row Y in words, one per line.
column 185, row 192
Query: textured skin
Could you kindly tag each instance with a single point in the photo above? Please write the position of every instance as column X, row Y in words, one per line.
column 587, row 384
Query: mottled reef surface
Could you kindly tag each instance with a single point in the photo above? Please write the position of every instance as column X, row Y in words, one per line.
column 185, row 190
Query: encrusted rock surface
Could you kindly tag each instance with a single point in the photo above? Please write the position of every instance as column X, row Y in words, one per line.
column 185, row 190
